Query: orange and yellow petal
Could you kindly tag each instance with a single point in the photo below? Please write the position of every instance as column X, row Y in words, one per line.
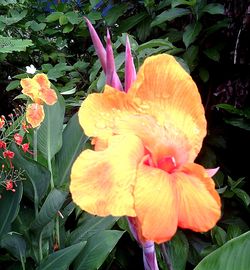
column 46, row 94
column 31, row 89
column 164, row 90
column 35, row 114
column 156, row 204
column 100, row 112
column 102, row 182
column 199, row 203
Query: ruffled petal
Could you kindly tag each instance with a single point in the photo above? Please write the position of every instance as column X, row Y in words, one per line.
column 102, row 182
column 199, row 203
column 46, row 94
column 155, row 204
column 166, row 91
column 35, row 114
column 30, row 89
column 100, row 112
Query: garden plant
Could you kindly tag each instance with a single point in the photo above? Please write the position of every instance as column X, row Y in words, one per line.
column 124, row 135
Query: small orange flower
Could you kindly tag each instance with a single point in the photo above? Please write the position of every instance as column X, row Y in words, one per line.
column 3, row 144
column 38, row 89
column 146, row 141
column 2, row 122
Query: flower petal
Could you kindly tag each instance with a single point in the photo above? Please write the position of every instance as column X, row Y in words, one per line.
column 46, row 94
column 155, row 204
column 102, row 182
column 99, row 112
column 199, row 203
column 168, row 93
column 31, row 89
column 35, row 114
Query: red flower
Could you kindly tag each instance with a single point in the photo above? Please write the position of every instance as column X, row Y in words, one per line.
column 2, row 144
column 18, row 139
column 9, row 154
column 25, row 148
column 10, row 185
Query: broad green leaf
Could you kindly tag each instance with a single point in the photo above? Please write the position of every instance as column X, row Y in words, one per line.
column 9, row 207
column 13, row 85
column 74, row 141
column 54, row 17
column 156, row 43
column 9, row 45
column 234, row 255
column 115, row 12
column 176, row 3
column 49, row 134
column 97, row 249
column 49, row 209
column 15, row 17
column 204, row 74
column 131, row 22
column 233, row 231
column 91, row 225
column 63, row 19
column 191, row 33
column 214, row 8
column 170, row 15
column 191, row 56
column 38, row 175
column 61, row 259
column 73, row 17
column 15, row 244
column 178, row 249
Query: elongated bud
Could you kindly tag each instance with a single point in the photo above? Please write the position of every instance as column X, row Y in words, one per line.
column 130, row 72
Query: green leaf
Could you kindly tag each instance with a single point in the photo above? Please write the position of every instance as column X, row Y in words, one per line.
column 54, row 17
column 176, row 3
column 170, row 15
column 63, row 19
column 15, row 244
column 131, row 22
column 191, row 33
column 115, row 12
column 90, row 226
column 178, row 249
column 68, row 28
column 191, row 56
column 234, row 255
column 212, row 53
column 241, row 194
column 214, row 8
column 15, row 17
column 74, row 141
column 73, row 17
column 219, row 235
column 61, row 259
column 38, row 175
column 97, row 250
column 9, row 207
column 233, row 231
column 204, row 74
column 49, row 209
column 13, row 85
column 9, row 45
column 49, row 134
column 155, row 43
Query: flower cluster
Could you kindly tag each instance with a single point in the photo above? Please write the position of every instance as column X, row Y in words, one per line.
column 38, row 89
column 10, row 129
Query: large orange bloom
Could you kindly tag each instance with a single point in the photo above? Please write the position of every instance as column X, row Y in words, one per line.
column 38, row 89
column 146, row 141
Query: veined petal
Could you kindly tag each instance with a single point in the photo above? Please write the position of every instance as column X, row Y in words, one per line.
column 130, row 72
column 102, row 182
column 156, row 204
column 199, row 203
column 168, row 93
column 35, row 114
column 46, row 94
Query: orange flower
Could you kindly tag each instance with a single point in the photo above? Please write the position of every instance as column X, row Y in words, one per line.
column 143, row 166
column 38, row 89
column 2, row 122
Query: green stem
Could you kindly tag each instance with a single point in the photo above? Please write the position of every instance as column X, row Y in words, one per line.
column 23, row 264
column 51, row 173
column 41, row 246
column 35, row 144
column 58, row 232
